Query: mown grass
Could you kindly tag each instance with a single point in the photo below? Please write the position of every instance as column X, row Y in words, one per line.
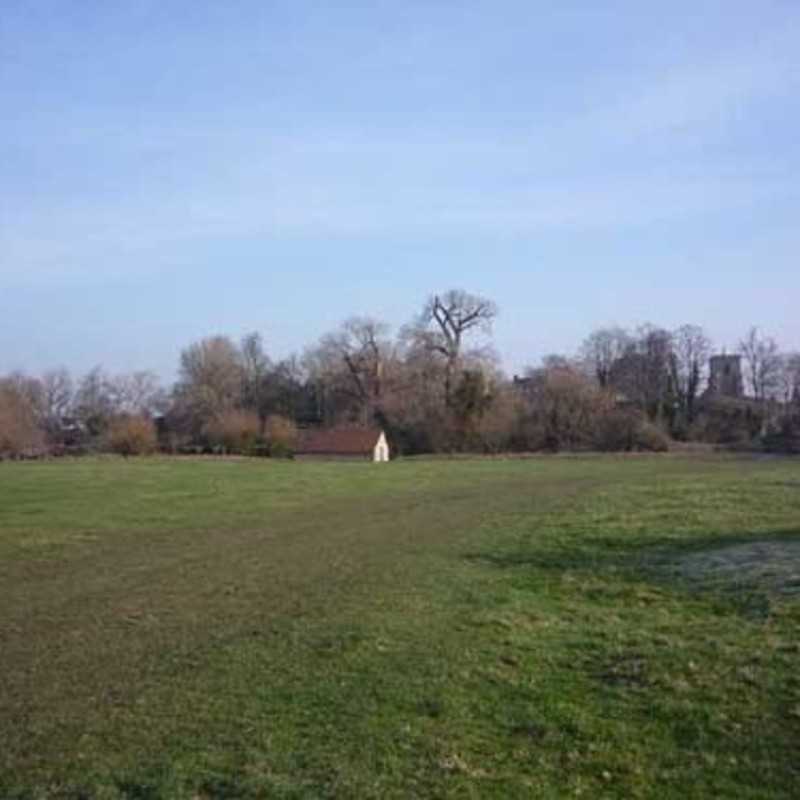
column 247, row 629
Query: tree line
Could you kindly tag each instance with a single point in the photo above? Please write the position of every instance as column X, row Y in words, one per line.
column 434, row 386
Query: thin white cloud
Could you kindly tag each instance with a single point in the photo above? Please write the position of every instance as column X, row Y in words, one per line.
column 216, row 183
column 712, row 96
column 82, row 237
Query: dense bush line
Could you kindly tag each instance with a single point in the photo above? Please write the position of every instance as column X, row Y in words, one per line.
column 434, row 387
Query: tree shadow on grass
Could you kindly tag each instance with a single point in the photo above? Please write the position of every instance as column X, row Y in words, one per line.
column 750, row 570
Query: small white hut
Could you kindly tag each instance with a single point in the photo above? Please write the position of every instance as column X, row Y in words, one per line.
column 366, row 444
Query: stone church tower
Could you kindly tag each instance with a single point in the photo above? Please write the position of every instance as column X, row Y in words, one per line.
column 725, row 379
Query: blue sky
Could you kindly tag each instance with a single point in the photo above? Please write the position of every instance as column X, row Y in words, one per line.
column 173, row 170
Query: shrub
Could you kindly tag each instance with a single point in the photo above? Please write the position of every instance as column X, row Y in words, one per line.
column 280, row 434
column 649, row 437
column 617, row 430
column 564, row 410
column 280, row 450
column 132, row 436
column 728, row 421
column 496, row 427
column 234, row 431
column 19, row 432
column 259, row 449
column 785, row 437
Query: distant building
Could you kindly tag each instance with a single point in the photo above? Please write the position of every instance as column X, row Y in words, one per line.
column 344, row 443
column 725, row 376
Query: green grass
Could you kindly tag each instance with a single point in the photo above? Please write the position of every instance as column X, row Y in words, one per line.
column 523, row 628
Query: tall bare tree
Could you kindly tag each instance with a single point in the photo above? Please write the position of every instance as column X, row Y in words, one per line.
column 31, row 389
column 138, row 393
column 289, row 393
column 210, row 379
column 58, row 393
column 95, row 401
column 602, row 349
column 363, row 346
column 350, row 367
column 689, row 354
column 19, row 428
column 763, row 363
column 642, row 374
column 256, row 366
column 789, row 378
column 445, row 322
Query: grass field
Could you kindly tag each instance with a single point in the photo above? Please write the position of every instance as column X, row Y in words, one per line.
column 553, row 627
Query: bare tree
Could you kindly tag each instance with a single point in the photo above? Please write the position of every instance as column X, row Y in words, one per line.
column 602, row 349
column 559, row 361
column 561, row 406
column 642, row 374
column 58, row 393
column 95, row 402
column 210, row 379
column 690, row 350
column 287, row 391
column 350, row 367
column 363, row 347
column 445, row 322
column 763, row 363
column 789, row 378
column 19, row 429
column 414, row 400
column 255, row 369
column 30, row 389
column 137, row 393
column 57, row 402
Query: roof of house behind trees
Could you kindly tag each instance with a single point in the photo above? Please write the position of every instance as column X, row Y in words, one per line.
column 339, row 441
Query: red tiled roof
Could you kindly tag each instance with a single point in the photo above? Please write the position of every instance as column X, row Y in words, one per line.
column 339, row 442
